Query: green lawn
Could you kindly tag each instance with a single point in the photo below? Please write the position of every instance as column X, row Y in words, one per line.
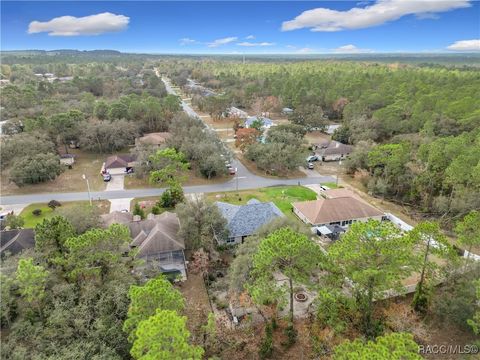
column 282, row 196
column 32, row 220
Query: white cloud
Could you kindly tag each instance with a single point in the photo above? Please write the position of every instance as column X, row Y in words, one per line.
column 74, row 26
column 305, row 50
column 250, row 44
column 187, row 41
column 250, row 37
column 465, row 45
column 223, row 41
column 382, row 11
column 350, row 49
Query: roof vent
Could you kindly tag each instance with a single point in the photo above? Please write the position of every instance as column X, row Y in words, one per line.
column 150, row 216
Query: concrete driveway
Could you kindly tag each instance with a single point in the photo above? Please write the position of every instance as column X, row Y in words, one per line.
column 310, row 173
column 16, row 208
column 120, row 204
column 116, row 183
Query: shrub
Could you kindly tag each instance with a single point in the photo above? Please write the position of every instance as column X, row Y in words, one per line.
column 13, row 221
column 52, row 204
column 137, row 210
column 37, row 212
column 172, row 196
column 266, row 347
column 291, row 334
column 156, row 210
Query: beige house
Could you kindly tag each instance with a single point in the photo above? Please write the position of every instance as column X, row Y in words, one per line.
column 156, row 241
column 341, row 211
column 332, row 150
column 119, row 164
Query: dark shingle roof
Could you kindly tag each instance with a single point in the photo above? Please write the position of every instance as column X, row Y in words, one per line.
column 15, row 241
column 116, row 217
column 156, row 235
column 245, row 220
column 119, row 161
column 333, row 148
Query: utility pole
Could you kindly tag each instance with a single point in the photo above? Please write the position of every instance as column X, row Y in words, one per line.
column 340, row 164
column 236, row 173
column 84, row 177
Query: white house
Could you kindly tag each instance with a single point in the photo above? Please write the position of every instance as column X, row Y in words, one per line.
column 332, row 150
column 266, row 122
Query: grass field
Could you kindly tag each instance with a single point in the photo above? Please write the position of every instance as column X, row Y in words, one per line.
column 282, row 196
column 32, row 220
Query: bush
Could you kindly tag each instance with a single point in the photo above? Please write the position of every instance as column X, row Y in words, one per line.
column 291, row 334
column 52, row 204
column 137, row 210
column 13, row 221
column 157, row 209
column 37, row 212
column 172, row 196
column 266, row 347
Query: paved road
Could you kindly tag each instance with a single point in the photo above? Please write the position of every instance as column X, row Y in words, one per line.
column 244, row 180
column 244, row 183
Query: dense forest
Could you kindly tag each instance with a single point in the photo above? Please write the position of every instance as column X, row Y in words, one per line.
column 98, row 106
column 416, row 129
column 81, row 292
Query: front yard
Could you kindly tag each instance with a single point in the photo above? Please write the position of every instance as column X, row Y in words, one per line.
column 32, row 220
column 134, row 182
column 281, row 196
column 69, row 181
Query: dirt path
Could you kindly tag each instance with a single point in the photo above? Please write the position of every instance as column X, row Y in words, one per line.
column 197, row 305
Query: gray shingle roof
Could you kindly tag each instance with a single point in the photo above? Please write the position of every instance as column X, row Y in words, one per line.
column 15, row 241
column 245, row 220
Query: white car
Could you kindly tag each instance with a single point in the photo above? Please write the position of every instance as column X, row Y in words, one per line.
column 324, row 187
column 312, row 158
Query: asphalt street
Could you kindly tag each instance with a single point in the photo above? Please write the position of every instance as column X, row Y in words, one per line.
column 244, row 183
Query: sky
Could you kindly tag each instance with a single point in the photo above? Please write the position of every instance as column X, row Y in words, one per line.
column 228, row 27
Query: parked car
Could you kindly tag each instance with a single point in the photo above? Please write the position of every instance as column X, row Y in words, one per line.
column 312, row 158
column 107, row 177
column 310, row 166
column 324, row 187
